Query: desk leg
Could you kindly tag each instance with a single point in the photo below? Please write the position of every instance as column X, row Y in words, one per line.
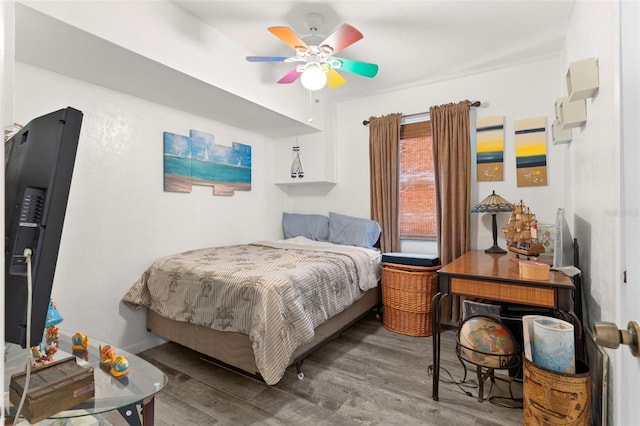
column 435, row 312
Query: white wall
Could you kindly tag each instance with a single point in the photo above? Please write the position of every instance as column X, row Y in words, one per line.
column 594, row 167
column 119, row 220
column 594, row 157
column 524, row 91
column 7, row 52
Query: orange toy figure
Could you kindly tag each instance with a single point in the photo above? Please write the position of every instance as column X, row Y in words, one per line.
column 119, row 367
column 79, row 342
column 107, row 357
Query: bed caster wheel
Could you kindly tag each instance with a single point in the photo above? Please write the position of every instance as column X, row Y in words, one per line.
column 300, row 376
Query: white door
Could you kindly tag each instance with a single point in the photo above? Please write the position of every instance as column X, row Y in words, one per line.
column 627, row 379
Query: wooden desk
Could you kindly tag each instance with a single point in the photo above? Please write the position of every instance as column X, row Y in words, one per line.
column 494, row 277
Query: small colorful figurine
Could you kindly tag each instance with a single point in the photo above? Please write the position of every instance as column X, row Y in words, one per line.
column 119, row 367
column 51, row 350
column 107, row 355
column 37, row 352
column 39, row 356
column 79, row 342
column 53, row 315
column 52, row 334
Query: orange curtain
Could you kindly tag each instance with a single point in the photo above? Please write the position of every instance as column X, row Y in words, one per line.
column 384, row 138
column 452, row 163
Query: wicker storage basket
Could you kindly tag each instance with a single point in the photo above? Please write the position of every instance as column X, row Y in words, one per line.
column 407, row 292
column 552, row 398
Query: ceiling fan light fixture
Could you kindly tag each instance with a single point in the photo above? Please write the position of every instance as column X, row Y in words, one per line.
column 313, row 78
column 316, row 66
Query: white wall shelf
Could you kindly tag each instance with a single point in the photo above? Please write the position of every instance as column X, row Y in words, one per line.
column 582, row 79
column 570, row 114
column 303, row 182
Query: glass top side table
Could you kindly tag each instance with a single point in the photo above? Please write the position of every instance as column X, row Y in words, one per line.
column 137, row 388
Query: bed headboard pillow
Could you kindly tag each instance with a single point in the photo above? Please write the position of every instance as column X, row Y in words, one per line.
column 312, row 226
column 353, row 231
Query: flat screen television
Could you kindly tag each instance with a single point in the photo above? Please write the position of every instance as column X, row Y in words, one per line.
column 38, row 166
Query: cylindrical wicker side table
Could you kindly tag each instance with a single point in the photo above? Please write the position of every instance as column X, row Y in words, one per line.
column 407, row 292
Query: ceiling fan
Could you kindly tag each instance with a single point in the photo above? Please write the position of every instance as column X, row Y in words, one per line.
column 316, row 65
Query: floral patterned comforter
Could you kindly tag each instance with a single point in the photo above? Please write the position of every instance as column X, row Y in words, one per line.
column 275, row 292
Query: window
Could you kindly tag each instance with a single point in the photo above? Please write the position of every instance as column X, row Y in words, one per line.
column 417, row 185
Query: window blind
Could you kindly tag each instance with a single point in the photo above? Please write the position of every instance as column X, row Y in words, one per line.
column 417, row 187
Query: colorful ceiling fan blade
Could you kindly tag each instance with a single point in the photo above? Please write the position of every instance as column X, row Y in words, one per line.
column 342, row 38
column 266, row 58
column 364, row 69
column 334, row 79
column 287, row 35
column 290, row 77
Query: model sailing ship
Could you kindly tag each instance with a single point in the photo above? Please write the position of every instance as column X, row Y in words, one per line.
column 521, row 232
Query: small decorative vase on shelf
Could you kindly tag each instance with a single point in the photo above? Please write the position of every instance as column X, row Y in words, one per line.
column 296, row 166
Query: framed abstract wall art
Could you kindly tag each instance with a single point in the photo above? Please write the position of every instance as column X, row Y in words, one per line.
column 177, row 162
column 531, row 151
column 490, row 148
column 197, row 160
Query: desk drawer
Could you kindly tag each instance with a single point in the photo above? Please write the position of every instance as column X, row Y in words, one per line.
column 504, row 292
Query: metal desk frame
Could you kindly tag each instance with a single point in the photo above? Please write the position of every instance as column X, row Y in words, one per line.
column 496, row 277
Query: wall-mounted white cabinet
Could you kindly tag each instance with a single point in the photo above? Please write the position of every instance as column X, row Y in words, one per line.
column 570, row 114
column 560, row 135
column 582, row 79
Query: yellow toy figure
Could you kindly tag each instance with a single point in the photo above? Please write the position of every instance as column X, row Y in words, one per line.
column 79, row 342
column 107, row 357
column 119, row 367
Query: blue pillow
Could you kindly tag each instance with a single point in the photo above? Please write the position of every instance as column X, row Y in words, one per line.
column 312, row 226
column 353, row 231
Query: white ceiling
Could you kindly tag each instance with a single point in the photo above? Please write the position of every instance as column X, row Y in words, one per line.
column 413, row 42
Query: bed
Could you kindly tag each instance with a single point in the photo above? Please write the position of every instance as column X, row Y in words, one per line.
column 263, row 306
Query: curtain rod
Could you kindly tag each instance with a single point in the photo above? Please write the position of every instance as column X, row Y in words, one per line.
column 473, row 104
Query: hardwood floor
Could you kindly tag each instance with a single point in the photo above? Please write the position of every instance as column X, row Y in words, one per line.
column 367, row 376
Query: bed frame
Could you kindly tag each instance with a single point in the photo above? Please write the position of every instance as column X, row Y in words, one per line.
column 233, row 350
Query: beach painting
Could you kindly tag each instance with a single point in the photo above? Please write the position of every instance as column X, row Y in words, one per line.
column 531, row 151
column 197, row 160
column 490, row 148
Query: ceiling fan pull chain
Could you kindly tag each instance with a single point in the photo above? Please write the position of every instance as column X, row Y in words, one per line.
column 310, row 119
